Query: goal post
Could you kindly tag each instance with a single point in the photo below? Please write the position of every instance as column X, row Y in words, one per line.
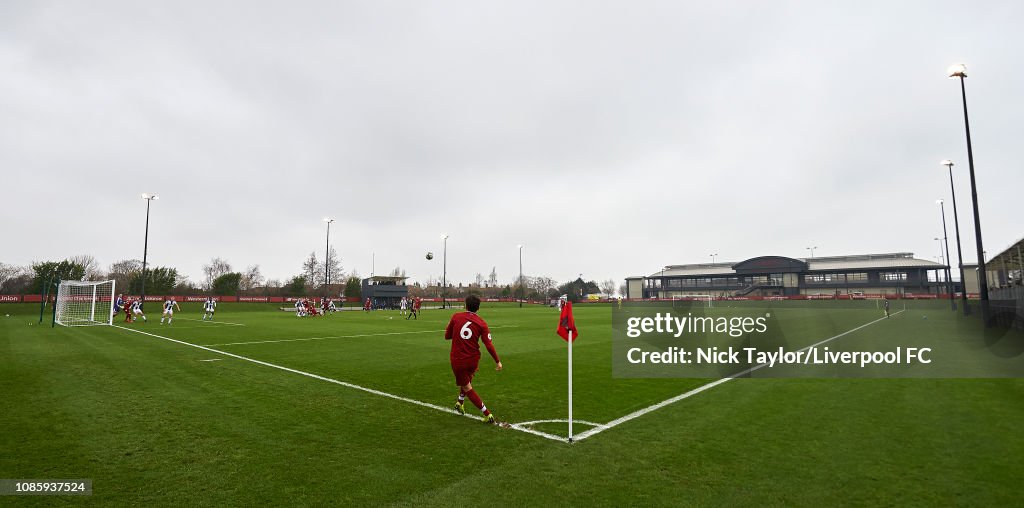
column 84, row 303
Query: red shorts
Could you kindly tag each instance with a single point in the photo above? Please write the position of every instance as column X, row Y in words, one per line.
column 464, row 371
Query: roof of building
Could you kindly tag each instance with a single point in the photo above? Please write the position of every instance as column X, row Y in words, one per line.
column 385, row 278
column 1011, row 258
column 831, row 263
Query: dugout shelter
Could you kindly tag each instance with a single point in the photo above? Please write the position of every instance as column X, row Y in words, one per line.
column 385, row 291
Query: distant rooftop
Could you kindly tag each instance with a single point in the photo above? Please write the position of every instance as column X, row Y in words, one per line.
column 816, row 264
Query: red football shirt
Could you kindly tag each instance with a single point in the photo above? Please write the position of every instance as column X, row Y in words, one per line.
column 465, row 330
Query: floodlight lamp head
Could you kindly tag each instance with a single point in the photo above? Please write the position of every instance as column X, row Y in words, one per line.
column 149, row 197
column 328, row 220
column 957, row 71
column 948, row 163
column 938, row 201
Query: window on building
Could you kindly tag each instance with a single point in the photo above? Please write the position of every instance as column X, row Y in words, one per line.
column 857, row 277
column 894, row 276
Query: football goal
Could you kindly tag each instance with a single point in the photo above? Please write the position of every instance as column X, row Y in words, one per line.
column 82, row 303
column 694, row 300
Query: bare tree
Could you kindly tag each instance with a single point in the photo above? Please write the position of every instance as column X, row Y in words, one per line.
column 251, row 278
column 479, row 280
column 313, row 270
column 123, row 271
column 608, row 288
column 14, row 279
column 91, row 266
column 216, row 268
column 337, row 275
column 542, row 285
column 623, row 289
column 493, row 279
column 398, row 272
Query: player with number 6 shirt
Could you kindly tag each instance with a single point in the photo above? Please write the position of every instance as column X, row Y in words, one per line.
column 466, row 330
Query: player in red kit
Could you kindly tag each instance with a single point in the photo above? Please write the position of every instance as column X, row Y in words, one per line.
column 466, row 330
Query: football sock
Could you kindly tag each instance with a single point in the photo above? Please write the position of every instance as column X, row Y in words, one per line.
column 475, row 399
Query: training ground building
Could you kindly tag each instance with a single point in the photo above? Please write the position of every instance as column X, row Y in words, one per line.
column 897, row 274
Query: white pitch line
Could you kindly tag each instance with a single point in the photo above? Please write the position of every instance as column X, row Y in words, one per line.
column 337, row 382
column 338, row 337
column 636, row 414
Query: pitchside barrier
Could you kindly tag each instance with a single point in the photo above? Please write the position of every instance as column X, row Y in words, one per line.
column 291, row 299
column 246, row 299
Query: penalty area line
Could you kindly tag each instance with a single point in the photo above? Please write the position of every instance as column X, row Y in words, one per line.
column 336, row 381
column 636, row 414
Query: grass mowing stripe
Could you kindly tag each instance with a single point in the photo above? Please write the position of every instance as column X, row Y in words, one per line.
column 226, row 323
column 337, row 382
column 337, row 337
column 636, row 414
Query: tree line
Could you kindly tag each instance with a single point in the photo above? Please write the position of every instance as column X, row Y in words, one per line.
column 315, row 276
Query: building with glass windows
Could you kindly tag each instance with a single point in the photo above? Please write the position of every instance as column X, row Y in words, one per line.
column 886, row 274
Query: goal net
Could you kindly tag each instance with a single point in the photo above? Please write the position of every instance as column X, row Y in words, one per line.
column 693, row 300
column 81, row 303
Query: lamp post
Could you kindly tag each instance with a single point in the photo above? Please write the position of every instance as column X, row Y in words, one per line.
column 145, row 245
column 812, row 250
column 521, row 289
column 444, row 273
column 956, row 228
column 327, row 255
column 945, row 239
column 713, row 256
column 960, row 71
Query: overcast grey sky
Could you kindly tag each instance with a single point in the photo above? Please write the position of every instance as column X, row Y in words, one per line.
column 610, row 138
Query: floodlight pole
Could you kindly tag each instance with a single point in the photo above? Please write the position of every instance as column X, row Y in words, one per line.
column 812, row 250
column 145, row 247
column 956, row 229
column 521, row 289
column 444, row 273
column 327, row 255
column 960, row 71
column 945, row 238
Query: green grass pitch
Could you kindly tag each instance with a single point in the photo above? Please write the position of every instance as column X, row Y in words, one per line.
column 157, row 422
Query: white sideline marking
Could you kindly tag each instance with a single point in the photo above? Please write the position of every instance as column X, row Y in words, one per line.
column 212, row 360
column 337, row 382
column 636, row 414
column 339, row 337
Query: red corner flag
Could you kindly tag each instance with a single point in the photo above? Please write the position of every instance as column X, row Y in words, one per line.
column 566, row 323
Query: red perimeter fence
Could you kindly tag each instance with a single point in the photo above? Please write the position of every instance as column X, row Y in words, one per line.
column 286, row 299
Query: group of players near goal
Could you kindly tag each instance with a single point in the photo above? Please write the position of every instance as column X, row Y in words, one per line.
column 132, row 308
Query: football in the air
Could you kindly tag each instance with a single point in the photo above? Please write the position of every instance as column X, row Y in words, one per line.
column 430, row 255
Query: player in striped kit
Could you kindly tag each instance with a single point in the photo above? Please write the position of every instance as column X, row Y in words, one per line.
column 209, row 307
column 169, row 305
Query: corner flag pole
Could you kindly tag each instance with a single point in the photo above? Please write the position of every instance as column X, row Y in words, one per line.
column 570, row 386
